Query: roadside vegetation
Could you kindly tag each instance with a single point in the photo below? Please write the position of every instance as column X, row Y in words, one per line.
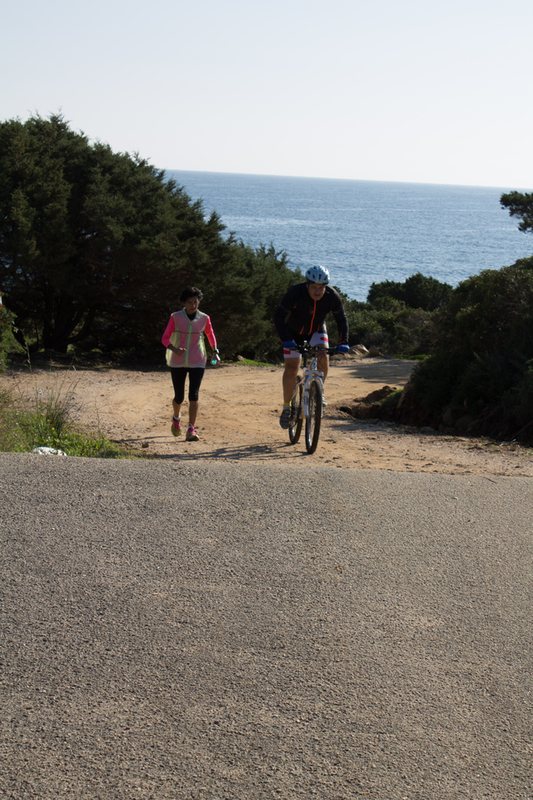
column 398, row 317
column 477, row 378
column 48, row 421
column 480, row 369
column 95, row 247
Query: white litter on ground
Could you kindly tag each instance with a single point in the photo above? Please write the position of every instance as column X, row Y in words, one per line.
column 48, row 451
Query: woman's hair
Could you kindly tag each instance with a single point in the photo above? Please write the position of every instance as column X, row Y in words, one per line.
column 190, row 291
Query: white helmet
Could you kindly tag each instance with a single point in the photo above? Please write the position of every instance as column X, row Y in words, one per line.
column 317, row 275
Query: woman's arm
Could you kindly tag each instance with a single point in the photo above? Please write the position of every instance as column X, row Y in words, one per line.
column 209, row 332
column 165, row 339
column 169, row 330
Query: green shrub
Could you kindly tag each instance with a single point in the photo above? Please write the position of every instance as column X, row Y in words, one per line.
column 391, row 327
column 6, row 336
column 483, row 350
column 417, row 291
column 47, row 422
column 520, row 396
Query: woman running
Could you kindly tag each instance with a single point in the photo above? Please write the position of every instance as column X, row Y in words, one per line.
column 184, row 340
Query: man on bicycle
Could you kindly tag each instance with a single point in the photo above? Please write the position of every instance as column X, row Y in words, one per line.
column 301, row 316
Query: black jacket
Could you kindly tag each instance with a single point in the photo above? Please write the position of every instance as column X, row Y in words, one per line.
column 298, row 316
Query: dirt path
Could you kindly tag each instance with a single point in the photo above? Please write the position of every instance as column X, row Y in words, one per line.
column 239, row 412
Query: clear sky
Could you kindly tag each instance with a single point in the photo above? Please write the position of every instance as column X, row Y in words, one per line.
column 397, row 90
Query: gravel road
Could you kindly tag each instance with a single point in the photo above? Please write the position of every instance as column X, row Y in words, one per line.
column 205, row 631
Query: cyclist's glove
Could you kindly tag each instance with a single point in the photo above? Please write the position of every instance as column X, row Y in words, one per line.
column 289, row 345
column 343, row 348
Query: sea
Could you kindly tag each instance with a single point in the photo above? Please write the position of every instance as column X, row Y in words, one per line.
column 365, row 232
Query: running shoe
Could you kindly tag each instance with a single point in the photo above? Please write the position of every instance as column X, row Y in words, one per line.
column 285, row 416
column 176, row 427
column 191, row 435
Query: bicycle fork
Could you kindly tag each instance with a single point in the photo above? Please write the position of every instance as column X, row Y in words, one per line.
column 307, row 383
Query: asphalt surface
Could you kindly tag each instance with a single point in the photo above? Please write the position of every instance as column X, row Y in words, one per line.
column 213, row 631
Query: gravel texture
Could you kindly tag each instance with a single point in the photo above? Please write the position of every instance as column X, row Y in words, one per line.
column 208, row 631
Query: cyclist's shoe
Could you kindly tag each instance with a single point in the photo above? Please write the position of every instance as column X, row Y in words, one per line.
column 191, row 435
column 285, row 416
column 176, row 427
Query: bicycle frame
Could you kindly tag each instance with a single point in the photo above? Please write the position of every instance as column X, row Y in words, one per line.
column 308, row 398
column 309, row 374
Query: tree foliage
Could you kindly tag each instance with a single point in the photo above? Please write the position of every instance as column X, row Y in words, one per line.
column 95, row 247
column 398, row 317
column 482, row 359
column 417, row 291
column 519, row 205
column 391, row 327
column 6, row 338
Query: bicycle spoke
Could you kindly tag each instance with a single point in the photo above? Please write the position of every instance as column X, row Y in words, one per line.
column 296, row 419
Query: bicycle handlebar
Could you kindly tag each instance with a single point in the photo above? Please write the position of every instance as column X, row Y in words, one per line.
column 306, row 348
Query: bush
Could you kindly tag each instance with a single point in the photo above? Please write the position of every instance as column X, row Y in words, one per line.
column 399, row 318
column 391, row 327
column 418, row 291
column 47, row 422
column 6, row 320
column 483, row 352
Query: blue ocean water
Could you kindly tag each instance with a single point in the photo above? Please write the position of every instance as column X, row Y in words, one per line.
column 365, row 231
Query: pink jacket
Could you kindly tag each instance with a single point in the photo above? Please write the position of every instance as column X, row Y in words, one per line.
column 189, row 334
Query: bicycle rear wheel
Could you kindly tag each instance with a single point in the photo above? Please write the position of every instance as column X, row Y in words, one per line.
column 314, row 418
column 295, row 419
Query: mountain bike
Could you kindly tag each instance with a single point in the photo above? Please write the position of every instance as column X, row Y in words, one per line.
column 307, row 400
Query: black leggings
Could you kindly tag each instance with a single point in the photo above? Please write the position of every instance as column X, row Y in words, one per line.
column 178, row 379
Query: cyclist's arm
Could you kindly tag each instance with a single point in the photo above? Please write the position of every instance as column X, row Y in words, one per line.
column 283, row 313
column 340, row 318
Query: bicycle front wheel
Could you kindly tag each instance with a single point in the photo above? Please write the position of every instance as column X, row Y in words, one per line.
column 296, row 419
column 314, row 417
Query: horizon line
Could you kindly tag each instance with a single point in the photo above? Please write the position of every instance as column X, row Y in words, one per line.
column 351, row 180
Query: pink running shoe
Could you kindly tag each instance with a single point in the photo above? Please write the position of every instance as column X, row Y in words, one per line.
column 191, row 435
column 176, row 428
